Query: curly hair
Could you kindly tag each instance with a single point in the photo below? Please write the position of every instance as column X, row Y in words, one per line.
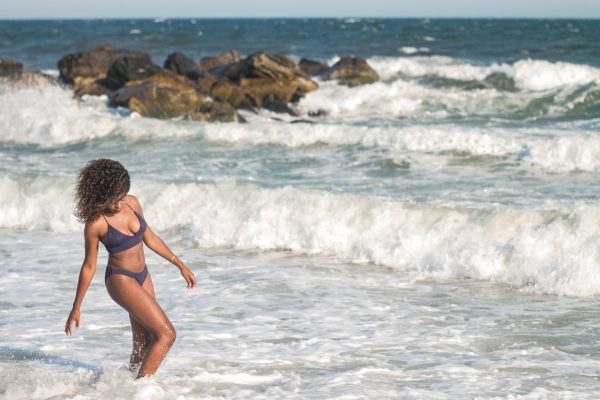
column 99, row 186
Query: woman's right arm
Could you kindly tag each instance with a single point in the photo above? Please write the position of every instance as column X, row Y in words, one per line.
column 88, row 269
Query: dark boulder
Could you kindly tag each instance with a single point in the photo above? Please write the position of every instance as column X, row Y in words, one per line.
column 168, row 79
column 130, row 68
column 89, row 64
column 311, row 67
column 180, row 64
column 231, row 71
column 163, row 102
column 209, row 63
column 351, row 71
column 11, row 69
column 231, row 93
column 90, row 86
column 278, row 106
column 260, row 89
column 501, row 81
column 262, row 65
column 287, row 61
column 216, row 111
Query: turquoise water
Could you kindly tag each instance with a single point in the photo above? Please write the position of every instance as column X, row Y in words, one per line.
column 433, row 236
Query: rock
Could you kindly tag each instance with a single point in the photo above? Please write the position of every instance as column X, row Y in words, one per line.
column 280, row 71
column 311, row 67
column 351, row 71
column 150, row 99
column 227, row 91
column 90, row 86
column 501, row 81
column 167, row 79
column 209, row 63
column 287, row 61
column 278, row 106
column 90, row 64
column 11, row 69
column 130, row 68
column 230, row 71
column 317, row 113
column 275, row 90
column 182, row 65
column 216, row 111
column 262, row 65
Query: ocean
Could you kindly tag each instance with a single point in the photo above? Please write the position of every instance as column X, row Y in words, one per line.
column 433, row 235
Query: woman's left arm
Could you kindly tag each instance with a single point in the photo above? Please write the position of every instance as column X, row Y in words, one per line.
column 156, row 244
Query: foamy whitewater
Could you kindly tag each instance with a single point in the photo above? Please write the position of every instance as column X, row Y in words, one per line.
column 433, row 236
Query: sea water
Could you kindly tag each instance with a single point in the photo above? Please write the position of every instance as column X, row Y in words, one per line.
column 433, row 236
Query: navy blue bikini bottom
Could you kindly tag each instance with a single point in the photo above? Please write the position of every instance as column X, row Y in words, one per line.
column 140, row 277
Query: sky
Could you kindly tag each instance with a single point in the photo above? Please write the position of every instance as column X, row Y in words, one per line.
column 44, row 9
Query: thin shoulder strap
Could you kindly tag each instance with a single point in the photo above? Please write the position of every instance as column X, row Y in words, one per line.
column 105, row 219
column 129, row 206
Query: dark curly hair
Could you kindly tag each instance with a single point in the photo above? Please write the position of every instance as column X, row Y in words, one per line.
column 99, row 186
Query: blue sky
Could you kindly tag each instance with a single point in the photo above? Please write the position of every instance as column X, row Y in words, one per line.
column 20, row 9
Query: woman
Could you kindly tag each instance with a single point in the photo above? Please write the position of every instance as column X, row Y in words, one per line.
column 115, row 218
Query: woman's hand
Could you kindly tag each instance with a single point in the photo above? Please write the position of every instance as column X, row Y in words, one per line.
column 188, row 276
column 73, row 318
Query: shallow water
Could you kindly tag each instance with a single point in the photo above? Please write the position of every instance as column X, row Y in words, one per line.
column 273, row 324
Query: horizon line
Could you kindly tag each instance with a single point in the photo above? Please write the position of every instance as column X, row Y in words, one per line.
column 3, row 19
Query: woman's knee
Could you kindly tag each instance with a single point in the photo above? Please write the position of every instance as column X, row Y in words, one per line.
column 168, row 336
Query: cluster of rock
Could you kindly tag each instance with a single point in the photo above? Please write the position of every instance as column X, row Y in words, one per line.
column 211, row 89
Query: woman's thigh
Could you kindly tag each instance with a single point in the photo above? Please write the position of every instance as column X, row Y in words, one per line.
column 149, row 285
column 139, row 302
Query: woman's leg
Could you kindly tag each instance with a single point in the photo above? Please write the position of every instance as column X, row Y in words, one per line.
column 141, row 340
column 141, row 305
column 140, row 335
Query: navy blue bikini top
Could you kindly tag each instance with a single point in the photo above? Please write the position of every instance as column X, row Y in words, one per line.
column 117, row 241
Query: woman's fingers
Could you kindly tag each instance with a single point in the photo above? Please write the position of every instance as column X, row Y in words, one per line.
column 69, row 325
column 189, row 277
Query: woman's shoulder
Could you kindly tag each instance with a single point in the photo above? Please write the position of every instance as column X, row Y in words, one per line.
column 95, row 227
column 133, row 202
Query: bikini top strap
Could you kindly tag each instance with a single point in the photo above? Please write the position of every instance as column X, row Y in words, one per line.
column 130, row 207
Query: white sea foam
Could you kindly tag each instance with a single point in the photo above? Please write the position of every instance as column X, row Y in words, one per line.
column 555, row 151
column 50, row 116
column 528, row 74
column 550, row 250
column 413, row 50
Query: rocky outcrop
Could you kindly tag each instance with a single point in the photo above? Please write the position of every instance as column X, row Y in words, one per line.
column 89, row 64
column 351, row 71
column 209, row 63
column 210, row 90
column 10, row 69
column 311, row 67
column 180, row 64
column 130, row 68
